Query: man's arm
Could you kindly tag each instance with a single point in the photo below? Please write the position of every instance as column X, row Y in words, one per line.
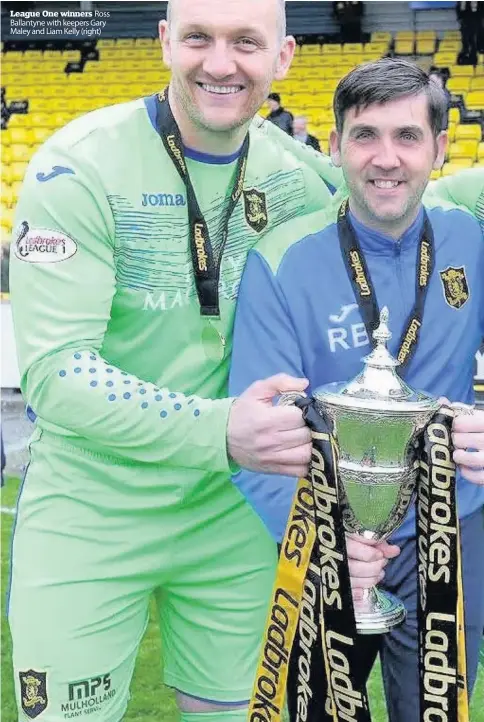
column 318, row 162
column 61, row 311
column 465, row 188
column 264, row 325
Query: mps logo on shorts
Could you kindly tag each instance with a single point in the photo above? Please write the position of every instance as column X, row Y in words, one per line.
column 41, row 245
column 255, row 209
column 456, row 288
column 33, row 692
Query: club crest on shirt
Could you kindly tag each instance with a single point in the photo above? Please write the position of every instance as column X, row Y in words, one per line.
column 33, row 692
column 456, row 289
column 255, row 209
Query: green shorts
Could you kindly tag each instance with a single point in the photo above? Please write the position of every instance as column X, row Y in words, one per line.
column 94, row 538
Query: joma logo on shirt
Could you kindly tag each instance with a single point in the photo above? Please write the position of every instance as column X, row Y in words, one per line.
column 162, row 199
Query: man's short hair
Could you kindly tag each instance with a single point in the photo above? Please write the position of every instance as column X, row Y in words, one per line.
column 274, row 96
column 385, row 80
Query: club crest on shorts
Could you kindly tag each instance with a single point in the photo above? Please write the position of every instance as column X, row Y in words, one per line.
column 456, row 289
column 33, row 692
column 255, row 209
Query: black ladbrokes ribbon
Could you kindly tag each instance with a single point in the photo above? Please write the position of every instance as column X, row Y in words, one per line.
column 206, row 267
column 364, row 291
column 310, row 645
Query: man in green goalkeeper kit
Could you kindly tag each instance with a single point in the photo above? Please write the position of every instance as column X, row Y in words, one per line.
column 133, row 227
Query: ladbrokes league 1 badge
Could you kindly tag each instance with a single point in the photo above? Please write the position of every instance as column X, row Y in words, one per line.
column 255, row 209
column 456, row 289
column 33, row 692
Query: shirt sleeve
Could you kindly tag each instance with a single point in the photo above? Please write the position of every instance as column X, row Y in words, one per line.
column 263, row 323
column 465, row 188
column 62, row 287
column 317, row 161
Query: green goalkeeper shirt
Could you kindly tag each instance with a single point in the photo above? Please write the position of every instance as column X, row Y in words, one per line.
column 113, row 353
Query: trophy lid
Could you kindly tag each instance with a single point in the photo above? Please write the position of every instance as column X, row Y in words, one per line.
column 377, row 387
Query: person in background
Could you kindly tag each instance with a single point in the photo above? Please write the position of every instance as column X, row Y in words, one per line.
column 300, row 128
column 471, row 17
column 349, row 16
column 279, row 115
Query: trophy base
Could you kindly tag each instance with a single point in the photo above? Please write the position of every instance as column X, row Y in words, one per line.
column 378, row 612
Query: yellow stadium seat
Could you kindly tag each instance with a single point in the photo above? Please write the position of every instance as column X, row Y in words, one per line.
column 106, row 43
column 463, row 149
column 375, row 49
column 404, row 47
column 475, row 100
column 454, row 115
column 5, row 137
column 40, row 135
column 435, row 174
column 471, row 131
column 458, row 85
column 477, row 83
column 405, row 35
column 20, row 136
column 7, row 195
column 18, row 170
column 40, row 105
column 425, row 46
column 310, row 49
column 7, row 155
column 450, row 46
column 20, row 153
column 20, row 120
column 33, row 55
column 452, row 35
column 426, row 35
column 480, row 152
column 124, row 42
column 451, row 132
column 144, row 42
column 331, row 49
column 462, row 71
column 445, row 60
column 6, row 174
column 352, row 48
column 42, row 120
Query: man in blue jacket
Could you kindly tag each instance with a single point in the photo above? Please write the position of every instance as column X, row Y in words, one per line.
column 299, row 312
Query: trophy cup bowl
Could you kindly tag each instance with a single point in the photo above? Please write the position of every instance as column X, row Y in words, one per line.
column 377, row 420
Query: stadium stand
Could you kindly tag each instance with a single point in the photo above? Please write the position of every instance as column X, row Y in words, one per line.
column 43, row 88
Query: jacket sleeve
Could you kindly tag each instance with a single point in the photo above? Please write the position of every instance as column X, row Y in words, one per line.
column 317, row 161
column 465, row 188
column 263, row 323
column 62, row 287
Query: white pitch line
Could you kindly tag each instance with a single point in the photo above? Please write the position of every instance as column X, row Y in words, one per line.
column 8, row 510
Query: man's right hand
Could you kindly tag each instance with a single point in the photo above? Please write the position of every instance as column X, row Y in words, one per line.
column 367, row 560
column 263, row 437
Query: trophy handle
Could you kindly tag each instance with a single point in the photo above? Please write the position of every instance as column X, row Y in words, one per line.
column 288, row 398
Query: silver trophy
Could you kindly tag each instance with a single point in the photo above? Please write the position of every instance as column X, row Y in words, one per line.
column 377, row 419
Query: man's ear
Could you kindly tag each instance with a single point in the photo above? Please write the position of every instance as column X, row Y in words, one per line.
column 164, row 35
column 284, row 60
column 441, row 143
column 334, row 148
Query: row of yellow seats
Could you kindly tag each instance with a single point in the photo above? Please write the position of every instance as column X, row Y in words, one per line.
column 17, row 56
column 20, row 80
column 449, row 60
column 462, row 84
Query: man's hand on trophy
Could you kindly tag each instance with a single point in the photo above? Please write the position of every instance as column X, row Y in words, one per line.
column 367, row 560
column 268, row 438
column 468, row 438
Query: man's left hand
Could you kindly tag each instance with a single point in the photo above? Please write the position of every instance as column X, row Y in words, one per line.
column 468, row 433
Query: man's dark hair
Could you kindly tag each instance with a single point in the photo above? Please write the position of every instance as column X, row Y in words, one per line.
column 275, row 97
column 385, row 80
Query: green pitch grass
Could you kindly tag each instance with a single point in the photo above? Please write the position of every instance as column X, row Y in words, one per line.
column 150, row 700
